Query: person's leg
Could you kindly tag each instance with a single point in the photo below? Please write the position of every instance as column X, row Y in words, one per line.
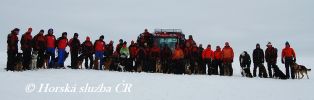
column 40, row 59
column 231, row 69
column 292, row 71
column 101, row 59
column 61, row 57
column 221, row 68
column 287, row 65
column 10, row 62
column 254, row 69
column 91, row 59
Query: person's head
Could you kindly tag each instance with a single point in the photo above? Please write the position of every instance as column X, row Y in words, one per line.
column 87, row 38
column 132, row 42
column 121, row 41
column 218, row 48
column 29, row 30
column 209, row 46
column 75, row 35
column 227, row 44
column 190, row 37
column 64, row 34
column 41, row 32
column 258, row 46
column 200, row 46
column 111, row 42
column 101, row 37
column 287, row 44
column 145, row 30
column 269, row 44
column 124, row 44
column 15, row 31
column 50, row 31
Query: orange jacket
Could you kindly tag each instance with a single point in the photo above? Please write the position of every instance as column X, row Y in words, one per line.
column 208, row 54
column 288, row 52
column 227, row 53
column 178, row 54
column 218, row 55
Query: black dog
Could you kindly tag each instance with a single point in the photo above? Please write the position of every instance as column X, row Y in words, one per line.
column 278, row 73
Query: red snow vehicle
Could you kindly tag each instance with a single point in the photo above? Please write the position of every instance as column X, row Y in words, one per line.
column 168, row 36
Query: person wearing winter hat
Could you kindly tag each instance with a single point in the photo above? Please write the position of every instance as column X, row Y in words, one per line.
column 258, row 60
column 288, row 57
column 227, row 58
column 109, row 49
column 12, row 44
column 99, row 51
column 26, row 46
column 88, row 51
column 75, row 47
column 271, row 58
column 39, row 45
column 217, row 61
column 51, row 47
column 62, row 43
column 119, row 46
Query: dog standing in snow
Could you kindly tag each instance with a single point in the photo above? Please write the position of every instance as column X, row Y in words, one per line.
column 34, row 60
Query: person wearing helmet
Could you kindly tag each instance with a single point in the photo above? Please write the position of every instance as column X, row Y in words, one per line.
column 12, row 41
column 288, row 57
column 51, row 45
column 26, row 46
column 75, row 47
column 271, row 58
column 88, row 51
column 258, row 60
column 62, row 43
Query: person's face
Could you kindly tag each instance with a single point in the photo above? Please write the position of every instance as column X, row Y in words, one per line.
column 257, row 46
column 287, row 45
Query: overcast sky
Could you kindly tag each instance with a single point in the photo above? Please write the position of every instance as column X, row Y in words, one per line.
column 242, row 22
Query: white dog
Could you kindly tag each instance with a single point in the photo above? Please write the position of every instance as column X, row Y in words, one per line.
column 34, row 60
column 121, row 67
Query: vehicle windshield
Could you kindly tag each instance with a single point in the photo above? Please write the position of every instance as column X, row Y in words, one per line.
column 171, row 42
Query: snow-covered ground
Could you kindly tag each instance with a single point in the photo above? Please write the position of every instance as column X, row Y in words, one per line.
column 241, row 22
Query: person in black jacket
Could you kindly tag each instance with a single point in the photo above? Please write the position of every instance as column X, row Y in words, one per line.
column 201, row 61
column 26, row 46
column 271, row 58
column 75, row 47
column 12, row 42
column 258, row 60
column 88, row 51
column 245, row 63
column 166, row 54
column 39, row 45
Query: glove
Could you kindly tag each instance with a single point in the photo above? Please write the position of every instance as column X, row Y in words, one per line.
column 282, row 61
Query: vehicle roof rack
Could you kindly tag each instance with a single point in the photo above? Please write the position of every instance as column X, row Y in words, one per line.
column 168, row 30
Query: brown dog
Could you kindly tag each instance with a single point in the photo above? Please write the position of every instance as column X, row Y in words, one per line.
column 139, row 68
column 19, row 61
column 197, row 69
column 96, row 64
column 108, row 63
column 300, row 70
column 158, row 66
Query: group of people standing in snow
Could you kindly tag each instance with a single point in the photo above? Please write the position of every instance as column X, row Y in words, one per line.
column 144, row 52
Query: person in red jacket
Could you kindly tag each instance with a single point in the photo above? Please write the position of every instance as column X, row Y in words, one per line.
column 39, row 45
column 190, row 41
column 12, row 42
column 109, row 49
column 62, row 43
column 207, row 56
column 26, row 46
column 99, row 46
column 217, row 61
column 75, row 48
column 133, row 50
column 227, row 58
column 288, row 57
column 51, row 45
